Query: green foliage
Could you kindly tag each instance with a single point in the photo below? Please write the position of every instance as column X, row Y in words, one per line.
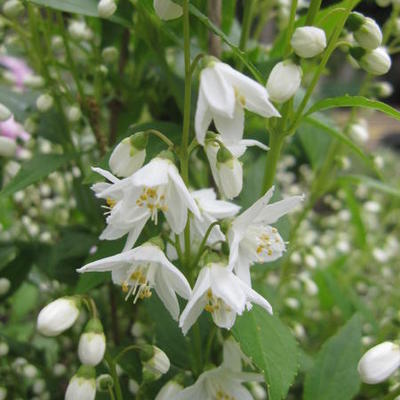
column 272, row 348
column 334, row 374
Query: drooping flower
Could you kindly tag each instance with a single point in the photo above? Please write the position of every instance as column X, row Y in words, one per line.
column 82, row 385
column 379, row 363
column 308, row 41
column 155, row 361
column 226, row 168
column 133, row 201
column 252, row 238
column 219, row 383
column 222, row 294
column 58, row 316
column 140, row 270
column 167, row 9
column 224, row 93
column 92, row 343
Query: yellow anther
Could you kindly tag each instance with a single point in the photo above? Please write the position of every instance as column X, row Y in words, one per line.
column 209, row 308
column 124, row 287
column 110, row 202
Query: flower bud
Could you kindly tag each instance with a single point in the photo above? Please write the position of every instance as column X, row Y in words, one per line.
column 74, row 113
column 376, row 62
column 12, row 8
column 79, row 30
column 382, row 89
column 104, row 382
column 44, row 102
column 230, row 173
column 4, row 349
column 92, row 343
column 8, row 148
column 58, row 316
column 167, row 9
column 359, row 131
column 284, row 81
column 129, row 155
column 5, row 113
column 82, row 385
column 155, row 362
column 383, row 3
column 378, row 363
column 369, row 35
column 106, row 8
column 34, row 81
column 308, row 41
column 169, row 390
column 109, row 54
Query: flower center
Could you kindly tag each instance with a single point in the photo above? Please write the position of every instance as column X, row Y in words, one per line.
column 268, row 243
column 222, row 395
column 215, row 304
column 137, row 284
column 110, row 204
column 153, row 199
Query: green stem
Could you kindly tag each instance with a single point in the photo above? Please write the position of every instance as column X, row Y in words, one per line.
column 124, row 351
column 203, row 244
column 114, row 375
column 111, row 393
column 246, row 24
column 276, row 141
column 392, row 395
column 290, row 28
column 312, row 12
column 161, row 136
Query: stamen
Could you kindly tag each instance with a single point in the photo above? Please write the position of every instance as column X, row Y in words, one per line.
column 154, row 200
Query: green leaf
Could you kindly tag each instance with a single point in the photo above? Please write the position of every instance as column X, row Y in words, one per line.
column 272, row 348
column 228, row 15
column 371, row 183
column 353, row 101
column 32, row 171
column 83, row 7
column 334, row 374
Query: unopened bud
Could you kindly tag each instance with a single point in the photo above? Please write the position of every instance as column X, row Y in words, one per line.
column 155, row 362
column 8, row 148
column 308, row 41
column 5, row 113
column 109, row 54
column 368, row 35
column 106, row 8
column 376, row 62
column 92, row 343
column 44, row 102
column 82, row 385
column 12, row 8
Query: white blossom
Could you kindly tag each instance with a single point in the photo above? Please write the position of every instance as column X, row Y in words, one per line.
column 224, row 93
column 140, row 270
column 82, row 385
column 222, row 294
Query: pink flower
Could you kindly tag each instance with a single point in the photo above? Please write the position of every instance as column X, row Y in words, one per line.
column 18, row 68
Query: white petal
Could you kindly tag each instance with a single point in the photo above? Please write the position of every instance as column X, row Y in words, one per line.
column 134, row 233
column 203, row 117
column 230, row 178
column 231, row 129
column 204, row 195
column 219, row 95
column 106, row 174
column 155, row 173
column 112, row 232
column 176, row 214
column 220, row 209
column 167, row 9
column 256, row 298
column 167, row 296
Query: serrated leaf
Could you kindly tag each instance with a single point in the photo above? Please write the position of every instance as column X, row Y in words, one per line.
column 32, row 171
column 353, row 101
column 334, row 374
column 272, row 348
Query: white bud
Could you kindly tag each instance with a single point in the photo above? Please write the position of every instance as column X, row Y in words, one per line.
column 258, row 391
column 82, row 386
column 3, row 349
column 133, row 386
column 58, row 316
column 39, row 386
column 8, row 147
column 158, row 364
column 106, row 8
column 30, row 371
column 167, row 9
column 284, row 81
column 383, row 89
column 92, row 343
column 79, row 30
column 5, row 113
column 369, row 35
column 34, row 81
column 378, row 363
column 109, row 54
column 292, row 303
column 230, row 177
column 126, row 158
column 376, row 62
column 308, row 41
column 169, row 390
column 12, row 8
column 44, row 102
column 3, row 393
column 74, row 113
column 359, row 131
column 59, row 369
column 5, row 284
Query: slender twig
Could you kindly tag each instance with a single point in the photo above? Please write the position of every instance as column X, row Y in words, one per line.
column 214, row 14
column 113, row 372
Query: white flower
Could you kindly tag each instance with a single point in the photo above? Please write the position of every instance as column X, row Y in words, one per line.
column 225, row 166
column 134, row 200
column 5, row 113
column 106, row 8
column 58, row 316
column 376, row 62
column 92, row 343
column 167, row 9
column 129, row 155
column 223, row 95
column 44, row 102
column 140, row 270
column 222, row 294
column 169, row 390
column 378, row 363
column 219, row 383
column 369, row 35
column 308, row 41
column 5, row 283
column 79, row 30
column 82, row 385
column 74, row 113
column 284, row 81
column 155, row 361
column 252, row 239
